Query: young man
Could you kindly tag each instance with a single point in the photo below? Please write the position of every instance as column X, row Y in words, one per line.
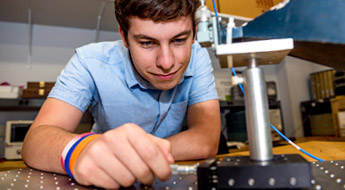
column 139, row 90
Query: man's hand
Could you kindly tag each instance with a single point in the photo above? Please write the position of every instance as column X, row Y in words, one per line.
column 120, row 156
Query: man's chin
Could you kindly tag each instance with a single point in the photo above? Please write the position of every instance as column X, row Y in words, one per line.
column 165, row 86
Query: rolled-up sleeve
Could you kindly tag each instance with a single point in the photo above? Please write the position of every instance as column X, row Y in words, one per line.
column 74, row 84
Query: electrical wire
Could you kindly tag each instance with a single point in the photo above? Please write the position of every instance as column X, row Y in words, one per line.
column 215, row 8
column 295, row 145
column 275, row 129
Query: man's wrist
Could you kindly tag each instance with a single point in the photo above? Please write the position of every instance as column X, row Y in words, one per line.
column 73, row 149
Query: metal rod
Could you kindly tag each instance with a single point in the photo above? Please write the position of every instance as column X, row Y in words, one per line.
column 257, row 117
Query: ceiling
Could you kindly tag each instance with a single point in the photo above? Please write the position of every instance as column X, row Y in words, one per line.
column 65, row 13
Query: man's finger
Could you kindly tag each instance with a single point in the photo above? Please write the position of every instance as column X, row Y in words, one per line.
column 110, row 164
column 151, row 154
column 165, row 147
column 128, row 156
column 89, row 174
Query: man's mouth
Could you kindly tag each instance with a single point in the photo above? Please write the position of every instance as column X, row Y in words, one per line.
column 165, row 76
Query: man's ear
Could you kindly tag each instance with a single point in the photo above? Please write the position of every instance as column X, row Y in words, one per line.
column 123, row 37
column 195, row 32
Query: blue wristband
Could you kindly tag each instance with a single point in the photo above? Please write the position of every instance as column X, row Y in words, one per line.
column 69, row 154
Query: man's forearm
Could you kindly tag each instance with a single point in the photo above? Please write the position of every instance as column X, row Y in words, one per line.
column 201, row 140
column 193, row 144
column 43, row 146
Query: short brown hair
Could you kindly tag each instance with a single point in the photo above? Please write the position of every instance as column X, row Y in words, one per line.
column 157, row 10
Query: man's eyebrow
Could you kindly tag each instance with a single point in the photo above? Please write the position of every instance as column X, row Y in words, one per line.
column 143, row 36
column 187, row 32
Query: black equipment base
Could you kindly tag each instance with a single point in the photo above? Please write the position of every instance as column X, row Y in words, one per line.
column 283, row 171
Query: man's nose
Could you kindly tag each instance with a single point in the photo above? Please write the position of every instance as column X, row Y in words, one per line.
column 166, row 58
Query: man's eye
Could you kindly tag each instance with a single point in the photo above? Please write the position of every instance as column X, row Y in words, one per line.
column 179, row 40
column 146, row 44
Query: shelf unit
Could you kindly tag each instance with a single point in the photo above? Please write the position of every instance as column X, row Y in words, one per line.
column 21, row 104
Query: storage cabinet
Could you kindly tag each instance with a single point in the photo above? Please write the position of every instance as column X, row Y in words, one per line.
column 317, row 117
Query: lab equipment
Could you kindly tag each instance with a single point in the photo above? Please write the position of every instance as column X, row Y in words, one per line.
column 250, row 172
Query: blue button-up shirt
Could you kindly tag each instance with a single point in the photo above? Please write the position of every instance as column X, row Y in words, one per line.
column 101, row 76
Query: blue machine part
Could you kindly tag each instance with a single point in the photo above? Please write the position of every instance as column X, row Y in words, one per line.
column 317, row 27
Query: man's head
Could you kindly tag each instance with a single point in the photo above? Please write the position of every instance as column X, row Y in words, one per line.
column 156, row 10
column 159, row 35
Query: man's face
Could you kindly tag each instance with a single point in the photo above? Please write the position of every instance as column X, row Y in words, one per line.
column 160, row 51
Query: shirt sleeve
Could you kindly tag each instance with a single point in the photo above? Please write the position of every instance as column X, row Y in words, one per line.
column 203, row 86
column 74, row 84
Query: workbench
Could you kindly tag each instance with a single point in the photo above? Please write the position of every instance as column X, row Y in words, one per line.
column 332, row 152
column 327, row 150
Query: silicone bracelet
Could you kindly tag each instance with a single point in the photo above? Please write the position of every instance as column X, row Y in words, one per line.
column 69, row 153
column 68, row 146
column 78, row 149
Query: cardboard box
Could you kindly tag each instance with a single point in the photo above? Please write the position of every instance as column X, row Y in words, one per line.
column 322, row 124
column 341, row 123
column 338, row 114
column 35, row 93
column 37, row 89
column 41, row 84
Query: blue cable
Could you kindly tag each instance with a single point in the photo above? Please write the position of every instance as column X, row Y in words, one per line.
column 214, row 7
column 296, row 146
column 275, row 129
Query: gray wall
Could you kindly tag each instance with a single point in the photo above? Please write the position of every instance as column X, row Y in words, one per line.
column 52, row 48
column 292, row 81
